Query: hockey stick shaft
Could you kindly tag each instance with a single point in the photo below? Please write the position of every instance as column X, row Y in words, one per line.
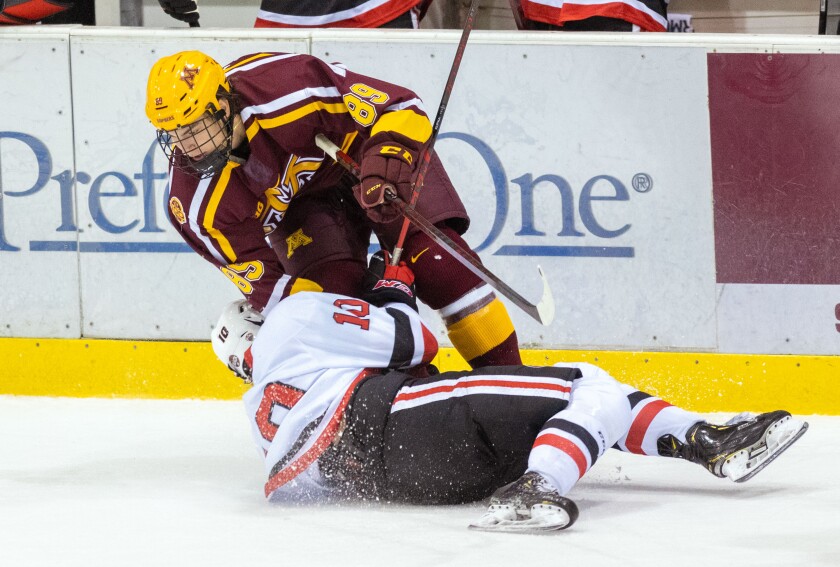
column 543, row 311
column 426, row 156
column 821, row 25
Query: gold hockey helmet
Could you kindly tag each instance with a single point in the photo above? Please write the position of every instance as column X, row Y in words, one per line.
column 182, row 87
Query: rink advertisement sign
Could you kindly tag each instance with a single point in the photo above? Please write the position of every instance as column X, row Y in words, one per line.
column 576, row 213
column 127, row 216
column 594, row 162
column 622, row 231
column 102, row 190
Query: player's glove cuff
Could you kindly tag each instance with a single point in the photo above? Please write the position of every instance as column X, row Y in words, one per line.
column 385, row 283
column 183, row 10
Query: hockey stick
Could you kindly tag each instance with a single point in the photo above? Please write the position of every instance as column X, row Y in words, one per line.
column 420, row 173
column 823, row 17
column 543, row 311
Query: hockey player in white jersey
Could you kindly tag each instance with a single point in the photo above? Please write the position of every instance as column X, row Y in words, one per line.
column 345, row 404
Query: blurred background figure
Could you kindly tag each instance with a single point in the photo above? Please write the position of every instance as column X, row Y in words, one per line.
column 319, row 13
column 557, row 15
column 27, row 12
column 591, row 15
column 701, row 16
column 341, row 13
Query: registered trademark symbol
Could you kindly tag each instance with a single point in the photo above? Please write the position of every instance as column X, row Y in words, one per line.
column 642, row 182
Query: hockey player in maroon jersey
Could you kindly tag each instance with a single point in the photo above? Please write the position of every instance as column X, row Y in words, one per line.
column 338, row 410
column 244, row 168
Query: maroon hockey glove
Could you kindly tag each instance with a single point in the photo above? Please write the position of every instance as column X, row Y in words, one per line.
column 385, row 283
column 388, row 159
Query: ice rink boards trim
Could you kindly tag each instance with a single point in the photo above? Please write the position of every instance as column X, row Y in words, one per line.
column 703, row 382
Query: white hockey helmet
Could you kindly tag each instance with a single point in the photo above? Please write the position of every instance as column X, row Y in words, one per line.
column 233, row 336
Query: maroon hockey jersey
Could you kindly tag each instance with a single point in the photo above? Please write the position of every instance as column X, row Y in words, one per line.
column 285, row 100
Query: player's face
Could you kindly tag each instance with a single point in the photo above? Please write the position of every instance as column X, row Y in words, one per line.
column 201, row 138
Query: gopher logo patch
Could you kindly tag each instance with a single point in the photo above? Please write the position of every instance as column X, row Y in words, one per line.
column 177, row 210
column 188, row 76
column 296, row 240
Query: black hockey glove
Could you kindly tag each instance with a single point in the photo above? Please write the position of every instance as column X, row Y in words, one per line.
column 385, row 283
column 184, row 10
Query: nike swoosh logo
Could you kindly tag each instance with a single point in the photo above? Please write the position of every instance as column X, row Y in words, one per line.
column 414, row 258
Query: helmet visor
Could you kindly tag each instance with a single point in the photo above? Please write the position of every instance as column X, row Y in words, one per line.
column 201, row 148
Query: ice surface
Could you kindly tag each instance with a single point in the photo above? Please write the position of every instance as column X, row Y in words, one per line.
column 94, row 482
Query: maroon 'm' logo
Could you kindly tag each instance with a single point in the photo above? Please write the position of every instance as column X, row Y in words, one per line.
column 188, row 76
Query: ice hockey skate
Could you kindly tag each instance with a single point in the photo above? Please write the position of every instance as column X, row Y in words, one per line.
column 738, row 450
column 529, row 504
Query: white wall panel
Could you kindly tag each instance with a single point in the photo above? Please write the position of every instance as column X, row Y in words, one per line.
column 39, row 275
column 779, row 319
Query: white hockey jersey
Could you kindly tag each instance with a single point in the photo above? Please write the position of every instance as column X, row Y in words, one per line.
column 311, row 352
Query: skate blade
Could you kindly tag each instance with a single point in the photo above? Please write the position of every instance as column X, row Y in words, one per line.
column 543, row 519
column 745, row 464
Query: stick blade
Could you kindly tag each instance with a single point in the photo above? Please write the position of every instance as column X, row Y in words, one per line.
column 545, row 307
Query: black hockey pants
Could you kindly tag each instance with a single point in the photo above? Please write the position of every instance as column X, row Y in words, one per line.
column 453, row 450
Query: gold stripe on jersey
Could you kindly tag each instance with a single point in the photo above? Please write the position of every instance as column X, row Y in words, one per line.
column 405, row 122
column 210, row 212
column 303, row 284
column 297, row 114
column 348, row 141
column 254, row 57
column 479, row 332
